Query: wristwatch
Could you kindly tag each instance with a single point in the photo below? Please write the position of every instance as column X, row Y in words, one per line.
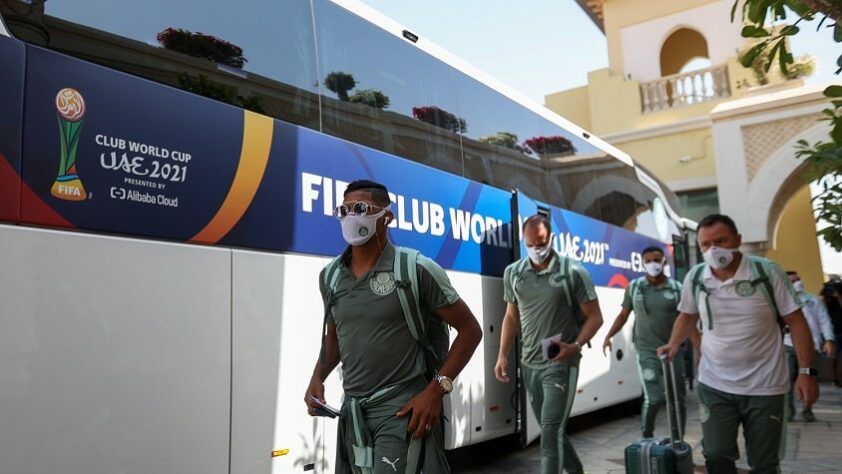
column 808, row 371
column 445, row 382
column 578, row 346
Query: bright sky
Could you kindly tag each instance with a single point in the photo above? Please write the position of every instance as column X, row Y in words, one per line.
column 548, row 47
column 544, row 46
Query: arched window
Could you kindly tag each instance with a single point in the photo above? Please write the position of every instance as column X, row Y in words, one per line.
column 683, row 48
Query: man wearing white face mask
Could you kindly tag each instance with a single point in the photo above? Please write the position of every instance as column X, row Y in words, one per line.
column 392, row 400
column 654, row 300
column 545, row 295
column 822, row 330
column 741, row 302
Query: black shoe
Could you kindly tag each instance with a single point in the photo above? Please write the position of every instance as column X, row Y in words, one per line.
column 837, row 383
column 808, row 416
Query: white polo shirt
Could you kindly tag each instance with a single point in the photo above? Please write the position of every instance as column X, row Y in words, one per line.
column 742, row 353
column 817, row 318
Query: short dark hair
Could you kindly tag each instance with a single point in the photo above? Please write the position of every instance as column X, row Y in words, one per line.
column 791, row 272
column 377, row 190
column 652, row 248
column 712, row 219
column 537, row 219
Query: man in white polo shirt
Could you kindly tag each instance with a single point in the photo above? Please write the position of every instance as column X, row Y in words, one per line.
column 742, row 302
column 823, row 339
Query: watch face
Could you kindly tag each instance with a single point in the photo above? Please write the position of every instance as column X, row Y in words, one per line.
column 446, row 384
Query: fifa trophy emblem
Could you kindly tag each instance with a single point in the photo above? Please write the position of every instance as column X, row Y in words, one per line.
column 71, row 113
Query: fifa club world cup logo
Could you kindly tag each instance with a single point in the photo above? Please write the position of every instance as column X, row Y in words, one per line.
column 71, row 113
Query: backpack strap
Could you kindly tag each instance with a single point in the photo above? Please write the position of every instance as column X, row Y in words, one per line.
column 517, row 272
column 763, row 268
column 634, row 288
column 564, row 272
column 674, row 286
column 331, row 279
column 406, row 281
column 695, row 278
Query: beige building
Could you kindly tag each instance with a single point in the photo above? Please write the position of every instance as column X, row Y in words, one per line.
column 676, row 98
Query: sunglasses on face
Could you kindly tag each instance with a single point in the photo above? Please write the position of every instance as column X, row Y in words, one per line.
column 359, row 208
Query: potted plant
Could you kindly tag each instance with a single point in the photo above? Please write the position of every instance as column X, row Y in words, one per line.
column 200, row 45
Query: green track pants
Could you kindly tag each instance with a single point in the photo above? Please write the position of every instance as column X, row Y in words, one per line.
column 652, row 379
column 551, row 393
column 764, row 424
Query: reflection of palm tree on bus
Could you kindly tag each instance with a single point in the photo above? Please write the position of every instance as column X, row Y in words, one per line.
column 340, row 83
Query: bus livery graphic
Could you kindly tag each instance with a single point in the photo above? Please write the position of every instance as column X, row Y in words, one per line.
column 71, row 113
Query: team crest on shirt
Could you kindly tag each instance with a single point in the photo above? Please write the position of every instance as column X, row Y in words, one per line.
column 669, row 295
column 382, row 284
column 555, row 280
column 745, row 288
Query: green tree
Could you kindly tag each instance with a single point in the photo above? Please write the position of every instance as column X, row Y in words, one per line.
column 371, row 98
column 766, row 21
column 503, row 139
column 340, row 83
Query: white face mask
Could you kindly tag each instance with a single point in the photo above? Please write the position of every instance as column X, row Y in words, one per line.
column 719, row 258
column 357, row 230
column 653, row 269
column 799, row 286
column 539, row 254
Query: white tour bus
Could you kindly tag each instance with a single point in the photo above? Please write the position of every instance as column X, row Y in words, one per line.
column 159, row 305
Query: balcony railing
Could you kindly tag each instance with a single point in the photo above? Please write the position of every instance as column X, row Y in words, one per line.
column 681, row 90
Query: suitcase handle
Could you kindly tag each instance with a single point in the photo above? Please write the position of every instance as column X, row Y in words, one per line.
column 671, row 392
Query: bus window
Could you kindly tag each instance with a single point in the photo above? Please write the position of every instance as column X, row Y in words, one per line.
column 494, row 144
column 257, row 54
column 572, row 182
column 395, row 100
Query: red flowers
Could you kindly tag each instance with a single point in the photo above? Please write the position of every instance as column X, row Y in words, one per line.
column 440, row 118
column 203, row 46
column 554, row 145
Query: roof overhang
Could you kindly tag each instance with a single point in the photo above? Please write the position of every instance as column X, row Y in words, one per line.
column 594, row 10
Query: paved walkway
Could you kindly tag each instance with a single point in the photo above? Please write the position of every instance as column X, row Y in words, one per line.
column 811, row 447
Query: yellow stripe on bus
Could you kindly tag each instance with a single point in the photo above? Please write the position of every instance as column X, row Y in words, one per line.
column 257, row 142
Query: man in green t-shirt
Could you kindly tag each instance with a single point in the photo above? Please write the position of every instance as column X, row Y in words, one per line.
column 545, row 296
column 389, row 403
column 654, row 300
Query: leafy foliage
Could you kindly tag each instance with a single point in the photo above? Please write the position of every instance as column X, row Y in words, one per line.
column 340, row 83
column 554, row 145
column 371, row 98
column 201, row 45
column 505, row 140
column 440, row 118
column 766, row 21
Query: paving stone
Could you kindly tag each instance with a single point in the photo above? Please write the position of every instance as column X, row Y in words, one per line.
column 600, row 438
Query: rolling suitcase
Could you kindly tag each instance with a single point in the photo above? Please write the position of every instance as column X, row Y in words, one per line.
column 668, row 455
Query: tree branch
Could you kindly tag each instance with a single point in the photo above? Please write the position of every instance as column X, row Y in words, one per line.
column 827, row 7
